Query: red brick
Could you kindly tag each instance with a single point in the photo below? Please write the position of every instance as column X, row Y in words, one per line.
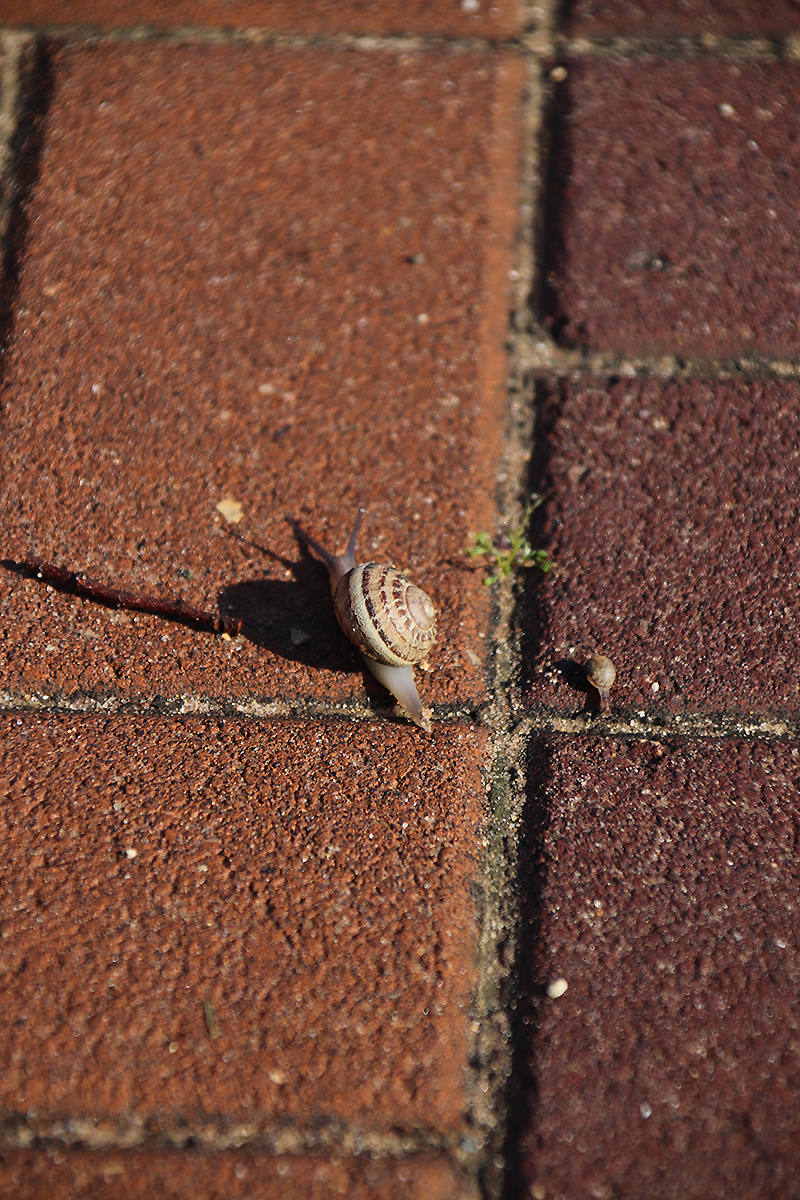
column 663, row 886
column 274, row 275
column 491, row 18
column 673, row 209
column 311, row 883
column 671, row 510
column 651, row 18
column 72, row 1173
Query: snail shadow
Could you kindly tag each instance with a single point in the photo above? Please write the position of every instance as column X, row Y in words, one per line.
column 573, row 674
column 292, row 619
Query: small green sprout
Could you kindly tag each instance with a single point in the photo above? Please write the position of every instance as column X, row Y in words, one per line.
column 513, row 551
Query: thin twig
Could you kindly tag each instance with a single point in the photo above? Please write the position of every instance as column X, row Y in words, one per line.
column 79, row 584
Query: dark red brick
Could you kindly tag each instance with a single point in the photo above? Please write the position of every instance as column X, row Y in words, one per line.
column 268, row 274
column 672, row 222
column 311, row 883
column 649, row 18
column 671, row 510
column 487, row 18
column 662, row 884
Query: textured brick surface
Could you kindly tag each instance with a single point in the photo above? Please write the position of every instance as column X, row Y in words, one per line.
column 663, row 886
column 498, row 18
column 270, row 275
column 241, row 956
column 673, row 200
column 671, row 510
column 311, row 883
column 189, row 1174
column 651, row 18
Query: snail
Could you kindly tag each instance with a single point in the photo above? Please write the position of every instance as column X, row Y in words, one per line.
column 601, row 673
column 390, row 620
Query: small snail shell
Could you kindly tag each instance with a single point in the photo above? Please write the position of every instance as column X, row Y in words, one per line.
column 390, row 620
column 601, row 673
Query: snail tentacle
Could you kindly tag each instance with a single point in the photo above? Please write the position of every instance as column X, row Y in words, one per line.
column 338, row 564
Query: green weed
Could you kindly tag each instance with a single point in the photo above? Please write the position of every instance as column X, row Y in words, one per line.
column 512, row 552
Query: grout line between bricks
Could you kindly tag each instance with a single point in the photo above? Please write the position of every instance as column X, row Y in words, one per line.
column 690, row 48
column 543, row 357
column 506, row 785
column 217, row 1135
column 537, row 40
column 280, row 39
column 641, row 725
column 193, row 704
column 663, row 727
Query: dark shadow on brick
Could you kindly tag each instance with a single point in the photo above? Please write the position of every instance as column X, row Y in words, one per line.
column 22, row 173
column 574, row 676
column 76, row 583
column 529, row 989
column 556, row 150
column 292, row 619
column 566, row 12
column 532, row 608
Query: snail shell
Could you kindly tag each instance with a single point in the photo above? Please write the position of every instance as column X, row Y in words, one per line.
column 601, row 673
column 388, row 618
column 385, row 615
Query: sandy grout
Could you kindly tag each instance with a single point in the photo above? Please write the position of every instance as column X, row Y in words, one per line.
column 655, row 725
column 539, row 41
column 687, row 47
column 131, row 1132
column 494, row 1045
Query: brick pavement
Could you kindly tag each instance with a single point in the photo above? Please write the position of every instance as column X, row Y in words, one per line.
column 260, row 935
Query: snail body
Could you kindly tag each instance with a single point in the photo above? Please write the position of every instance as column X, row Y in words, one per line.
column 601, row 673
column 388, row 619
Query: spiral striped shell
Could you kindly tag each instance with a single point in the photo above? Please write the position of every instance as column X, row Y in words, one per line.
column 385, row 615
